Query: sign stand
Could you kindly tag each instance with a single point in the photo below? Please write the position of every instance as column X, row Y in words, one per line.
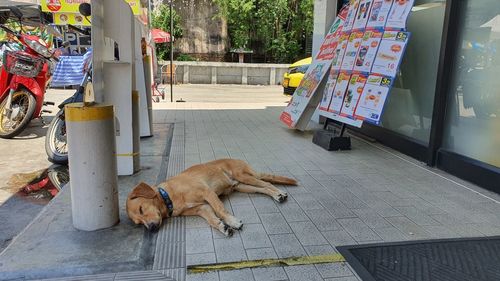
column 328, row 139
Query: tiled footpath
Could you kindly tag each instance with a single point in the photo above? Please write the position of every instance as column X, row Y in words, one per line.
column 366, row 195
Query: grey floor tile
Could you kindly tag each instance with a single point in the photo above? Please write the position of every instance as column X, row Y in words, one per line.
column 440, row 231
column 264, row 204
column 339, row 238
column 303, row 272
column 199, row 240
column 269, row 274
column 320, row 250
column 287, row 245
column 371, row 218
column 275, row 223
column 246, row 213
column 329, row 270
column 292, row 212
column 346, row 278
column 323, row 220
column 261, row 253
column 229, row 249
column 240, row 275
column 208, row 276
column 204, row 258
column 307, row 202
column 238, row 198
column 409, row 228
column 358, row 229
column 390, row 234
column 307, row 233
column 417, row 216
column 254, row 236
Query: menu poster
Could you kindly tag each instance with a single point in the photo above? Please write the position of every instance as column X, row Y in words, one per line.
column 354, row 91
column 362, row 17
column 379, row 14
column 399, row 14
column 339, row 92
column 351, row 15
column 313, row 76
column 328, row 91
column 351, row 50
column 372, row 100
column 340, row 52
column 390, row 52
column 368, row 50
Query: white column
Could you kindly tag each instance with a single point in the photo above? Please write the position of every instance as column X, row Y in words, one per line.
column 93, row 181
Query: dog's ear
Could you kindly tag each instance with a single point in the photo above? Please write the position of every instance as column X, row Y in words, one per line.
column 142, row 190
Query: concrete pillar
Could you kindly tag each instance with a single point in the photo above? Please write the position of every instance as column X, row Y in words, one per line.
column 136, row 129
column 325, row 12
column 93, row 181
column 244, row 76
column 214, row 75
column 185, row 75
column 272, row 76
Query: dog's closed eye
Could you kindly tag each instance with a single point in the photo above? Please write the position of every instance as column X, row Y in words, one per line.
column 140, row 210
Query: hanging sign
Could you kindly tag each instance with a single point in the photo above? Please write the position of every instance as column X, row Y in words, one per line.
column 354, row 91
column 372, row 99
column 66, row 11
column 399, row 13
column 380, row 11
column 368, row 50
column 390, row 52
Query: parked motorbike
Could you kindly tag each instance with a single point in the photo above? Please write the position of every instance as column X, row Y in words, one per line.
column 55, row 140
column 23, row 80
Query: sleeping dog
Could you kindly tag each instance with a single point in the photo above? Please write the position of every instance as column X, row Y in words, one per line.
column 196, row 192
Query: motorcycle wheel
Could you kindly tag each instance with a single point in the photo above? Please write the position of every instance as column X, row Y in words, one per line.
column 56, row 145
column 23, row 106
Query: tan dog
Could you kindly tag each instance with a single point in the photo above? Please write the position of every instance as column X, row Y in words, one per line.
column 196, row 192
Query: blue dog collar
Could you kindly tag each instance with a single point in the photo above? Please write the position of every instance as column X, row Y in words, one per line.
column 167, row 200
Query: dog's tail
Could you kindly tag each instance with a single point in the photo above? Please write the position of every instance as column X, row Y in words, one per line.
column 277, row 179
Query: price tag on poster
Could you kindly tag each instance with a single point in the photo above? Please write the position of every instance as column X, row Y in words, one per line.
column 351, row 15
column 354, row 91
column 399, row 13
column 340, row 52
column 351, row 50
column 373, row 98
column 390, row 52
column 314, row 75
column 339, row 92
column 368, row 50
column 327, row 94
column 379, row 14
column 363, row 14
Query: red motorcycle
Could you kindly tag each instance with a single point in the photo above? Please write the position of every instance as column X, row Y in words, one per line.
column 23, row 80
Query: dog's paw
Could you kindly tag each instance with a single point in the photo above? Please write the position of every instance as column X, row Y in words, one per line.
column 227, row 230
column 281, row 197
column 235, row 223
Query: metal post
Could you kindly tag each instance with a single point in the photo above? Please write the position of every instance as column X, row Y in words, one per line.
column 171, row 54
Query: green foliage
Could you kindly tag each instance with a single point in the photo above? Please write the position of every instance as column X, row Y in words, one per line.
column 185, row 57
column 160, row 18
column 279, row 26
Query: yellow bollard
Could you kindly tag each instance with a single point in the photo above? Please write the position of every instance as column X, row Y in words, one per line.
column 92, row 165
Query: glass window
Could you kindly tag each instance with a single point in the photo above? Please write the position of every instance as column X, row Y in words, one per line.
column 410, row 104
column 472, row 126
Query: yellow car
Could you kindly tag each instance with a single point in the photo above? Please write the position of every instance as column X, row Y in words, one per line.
column 296, row 71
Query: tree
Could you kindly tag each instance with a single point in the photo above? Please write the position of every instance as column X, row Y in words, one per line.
column 279, row 26
column 161, row 19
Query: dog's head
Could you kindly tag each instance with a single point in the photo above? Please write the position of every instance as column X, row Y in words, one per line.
column 144, row 206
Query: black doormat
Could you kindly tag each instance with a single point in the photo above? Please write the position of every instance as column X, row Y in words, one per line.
column 470, row 259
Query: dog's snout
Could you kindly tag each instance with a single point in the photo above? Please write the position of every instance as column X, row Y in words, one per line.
column 152, row 226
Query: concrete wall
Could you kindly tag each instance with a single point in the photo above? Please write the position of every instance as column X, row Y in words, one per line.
column 227, row 73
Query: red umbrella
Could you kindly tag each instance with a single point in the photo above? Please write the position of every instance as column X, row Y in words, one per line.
column 160, row 36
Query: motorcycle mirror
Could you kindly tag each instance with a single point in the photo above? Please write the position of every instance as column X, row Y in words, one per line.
column 17, row 13
column 85, row 9
column 52, row 30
